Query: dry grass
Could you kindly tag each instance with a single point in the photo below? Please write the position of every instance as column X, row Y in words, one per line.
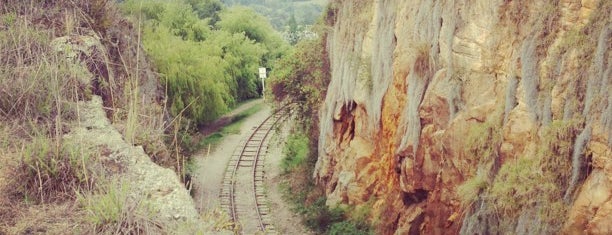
column 110, row 210
column 41, row 219
column 40, row 175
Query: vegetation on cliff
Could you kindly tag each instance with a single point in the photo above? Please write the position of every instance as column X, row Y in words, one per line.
column 302, row 78
column 57, row 55
column 469, row 116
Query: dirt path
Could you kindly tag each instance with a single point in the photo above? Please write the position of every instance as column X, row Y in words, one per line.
column 208, row 175
column 287, row 222
column 227, row 118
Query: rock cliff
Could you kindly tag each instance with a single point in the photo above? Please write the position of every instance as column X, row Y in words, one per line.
column 470, row 116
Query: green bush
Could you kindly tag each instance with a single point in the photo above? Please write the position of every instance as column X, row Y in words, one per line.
column 206, row 70
column 469, row 190
column 255, row 27
column 302, row 77
column 296, row 152
column 193, row 73
column 346, row 227
column 309, row 201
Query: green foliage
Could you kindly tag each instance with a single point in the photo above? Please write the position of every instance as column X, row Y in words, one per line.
column 106, row 207
column 296, row 152
column 483, row 139
column 207, row 9
column 309, row 201
column 530, row 182
column 346, row 227
column 515, row 185
column 542, row 176
column 279, row 12
column 336, row 220
column 255, row 27
column 192, row 72
column 318, row 216
column 206, row 70
column 302, row 77
column 243, row 56
column 469, row 190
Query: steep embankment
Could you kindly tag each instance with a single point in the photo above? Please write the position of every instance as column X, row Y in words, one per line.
column 82, row 121
column 470, row 116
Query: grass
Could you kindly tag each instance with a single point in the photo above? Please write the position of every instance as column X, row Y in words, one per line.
column 469, row 190
column 40, row 83
column 55, row 173
column 110, row 210
column 528, row 183
column 296, row 152
column 308, row 200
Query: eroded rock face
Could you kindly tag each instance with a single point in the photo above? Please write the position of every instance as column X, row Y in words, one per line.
column 149, row 184
column 425, row 94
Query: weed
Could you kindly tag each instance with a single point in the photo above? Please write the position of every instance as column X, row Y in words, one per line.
column 309, row 201
column 346, row 227
column 40, row 84
column 110, row 210
column 469, row 190
column 296, row 152
column 539, row 179
column 48, row 172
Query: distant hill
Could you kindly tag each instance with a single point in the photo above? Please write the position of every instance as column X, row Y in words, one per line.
column 281, row 12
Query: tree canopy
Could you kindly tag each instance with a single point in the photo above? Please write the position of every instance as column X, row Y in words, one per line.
column 207, row 54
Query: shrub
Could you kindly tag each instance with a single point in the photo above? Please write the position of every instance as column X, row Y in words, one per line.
column 536, row 182
column 35, row 82
column 346, row 227
column 255, row 27
column 309, row 200
column 206, row 71
column 296, row 152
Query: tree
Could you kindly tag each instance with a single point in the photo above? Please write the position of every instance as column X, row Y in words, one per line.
column 207, row 9
column 255, row 27
column 302, row 77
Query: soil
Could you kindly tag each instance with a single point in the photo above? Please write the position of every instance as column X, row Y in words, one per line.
column 287, row 222
column 210, row 167
column 227, row 119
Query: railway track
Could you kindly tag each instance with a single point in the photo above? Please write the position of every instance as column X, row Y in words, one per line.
column 242, row 194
